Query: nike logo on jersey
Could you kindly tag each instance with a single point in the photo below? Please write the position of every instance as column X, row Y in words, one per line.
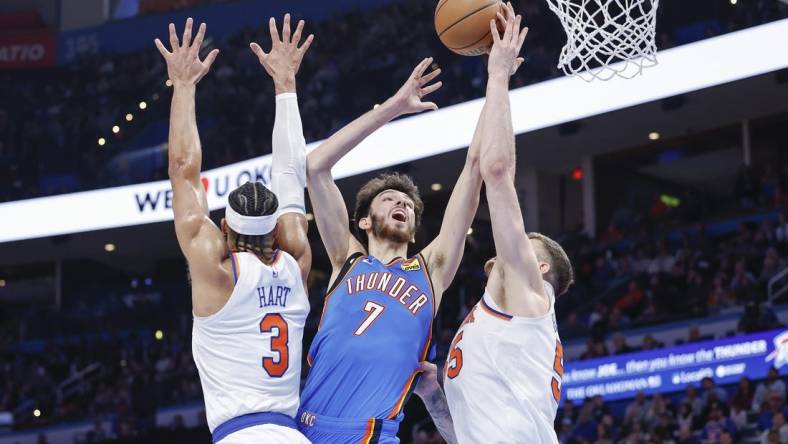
column 273, row 296
column 410, row 297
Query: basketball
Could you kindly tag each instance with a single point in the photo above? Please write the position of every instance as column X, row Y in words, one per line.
column 464, row 25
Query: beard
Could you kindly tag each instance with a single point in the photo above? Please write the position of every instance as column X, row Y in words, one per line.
column 382, row 231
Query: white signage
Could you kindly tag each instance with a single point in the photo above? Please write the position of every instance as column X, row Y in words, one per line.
column 687, row 68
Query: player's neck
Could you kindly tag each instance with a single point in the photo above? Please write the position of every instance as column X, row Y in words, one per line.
column 386, row 251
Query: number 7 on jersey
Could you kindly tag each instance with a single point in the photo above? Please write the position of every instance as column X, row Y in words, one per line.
column 374, row 309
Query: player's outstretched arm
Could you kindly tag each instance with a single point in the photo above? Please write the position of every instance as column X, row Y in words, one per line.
column 288, row 166
column 434, row 400
column 444, row 253
column 330, row 211
column 199, row 238
column 516, row 260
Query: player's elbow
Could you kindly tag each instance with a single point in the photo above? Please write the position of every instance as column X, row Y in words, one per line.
column 180, row 168
column 315, row 166
column 496, row 170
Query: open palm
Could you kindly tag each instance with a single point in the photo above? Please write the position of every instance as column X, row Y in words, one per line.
column 183, row 61
column 409, row 98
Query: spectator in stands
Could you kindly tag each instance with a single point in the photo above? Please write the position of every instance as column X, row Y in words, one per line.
column 630, row 302
column 685, row 417
column 620, row 345
column 693, row 334
column 657, row 408
column 617, row 320
column 720, row 296
column 774, row 405
column 685, row 436
column 743, row 282
column 586, row 427
column 717, row 424
column 649, row 343
column 758, row 317
column 594, row 349
column 572, row 327
column 637, row 409
column 781, row 232
column 778, row 430
column 773, row 385
column 711, row 393
column 741, row 402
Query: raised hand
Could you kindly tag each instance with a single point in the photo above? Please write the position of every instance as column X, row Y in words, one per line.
column 183, row 63
column 408, row 99
column 284, row 59
column 503, row 54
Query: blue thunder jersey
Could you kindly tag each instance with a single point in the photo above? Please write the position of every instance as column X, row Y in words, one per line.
column 375, row 330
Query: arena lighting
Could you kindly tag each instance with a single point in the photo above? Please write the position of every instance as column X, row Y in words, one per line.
column 143, row 105
column 691, row 67
column 2, row 283
column 159, row 335
column 116, row 129
column 310, row 217
column 109, row 248
column 653, row 135
column 470, row 231
column 168, row 83
column 36, row 413
column 669, row 200
column 733, row 2
column 436, row 187
column 577, row 174
column 129, row 117
column 102, row 141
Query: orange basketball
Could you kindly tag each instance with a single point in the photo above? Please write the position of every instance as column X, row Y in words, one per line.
column 464, row 25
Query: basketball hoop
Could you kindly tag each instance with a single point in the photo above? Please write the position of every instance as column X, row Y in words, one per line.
column 607, row 38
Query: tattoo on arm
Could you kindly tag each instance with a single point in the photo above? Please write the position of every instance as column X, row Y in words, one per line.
column 439, row 410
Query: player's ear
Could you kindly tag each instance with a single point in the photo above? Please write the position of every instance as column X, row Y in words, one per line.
column 223, row 226
column 544, row 267
column 364, row 223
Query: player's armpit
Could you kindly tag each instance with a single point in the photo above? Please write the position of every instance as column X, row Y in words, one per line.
column 444, row 254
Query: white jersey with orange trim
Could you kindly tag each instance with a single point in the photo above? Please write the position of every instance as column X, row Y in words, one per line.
column 503, row 376
column 249, row 353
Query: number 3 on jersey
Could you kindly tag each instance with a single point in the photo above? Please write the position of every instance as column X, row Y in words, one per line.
column 279, row 342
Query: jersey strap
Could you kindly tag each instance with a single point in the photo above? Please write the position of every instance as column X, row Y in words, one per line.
column 252, row 419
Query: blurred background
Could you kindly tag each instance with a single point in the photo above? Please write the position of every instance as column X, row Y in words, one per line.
column 673, row 211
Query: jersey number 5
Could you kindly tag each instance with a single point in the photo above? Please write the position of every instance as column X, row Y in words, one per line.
column 276, row 368
column 558, row 367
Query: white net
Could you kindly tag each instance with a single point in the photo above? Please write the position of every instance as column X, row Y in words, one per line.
column 607, row 38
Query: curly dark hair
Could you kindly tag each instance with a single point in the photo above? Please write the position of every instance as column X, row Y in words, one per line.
column 370, row 190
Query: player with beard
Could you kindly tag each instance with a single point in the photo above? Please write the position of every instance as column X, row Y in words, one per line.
column 377, row 316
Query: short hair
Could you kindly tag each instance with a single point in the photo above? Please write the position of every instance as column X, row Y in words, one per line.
column 255, row 200
column 385, row 181
column 561, row 275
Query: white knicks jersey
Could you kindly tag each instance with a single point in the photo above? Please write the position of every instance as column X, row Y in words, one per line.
column 503, row 376
column 249, row 353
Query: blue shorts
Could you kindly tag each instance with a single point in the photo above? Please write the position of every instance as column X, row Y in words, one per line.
column 322, row 429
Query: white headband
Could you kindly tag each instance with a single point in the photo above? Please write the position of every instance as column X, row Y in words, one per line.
column 249, row 225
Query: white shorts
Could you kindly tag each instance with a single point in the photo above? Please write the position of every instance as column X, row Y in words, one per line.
column 266, row 434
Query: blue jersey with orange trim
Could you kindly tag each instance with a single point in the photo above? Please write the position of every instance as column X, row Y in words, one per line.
column 375, row 329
